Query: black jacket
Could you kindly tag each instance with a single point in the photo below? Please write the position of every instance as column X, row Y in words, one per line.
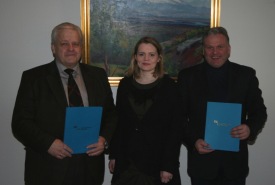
column 39, row 117
column 242, row 88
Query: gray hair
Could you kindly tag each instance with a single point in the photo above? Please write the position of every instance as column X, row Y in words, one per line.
column 215, row 31
column 65, row 25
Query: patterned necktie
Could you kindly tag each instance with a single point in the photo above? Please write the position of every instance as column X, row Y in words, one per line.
column 74, row 95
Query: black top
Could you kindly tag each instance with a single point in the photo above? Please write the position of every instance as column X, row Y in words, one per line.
column 148, row 138
column 217, row 80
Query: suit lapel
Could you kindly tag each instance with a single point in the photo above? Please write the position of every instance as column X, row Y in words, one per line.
column 89, row 82
column 56, row 85
column 233, row 74
column 203, row 84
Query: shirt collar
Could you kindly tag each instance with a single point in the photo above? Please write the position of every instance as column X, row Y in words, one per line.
column 61, row 69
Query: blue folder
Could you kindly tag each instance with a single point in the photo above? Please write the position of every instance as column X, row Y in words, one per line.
column 82, row 127
column 220, row 119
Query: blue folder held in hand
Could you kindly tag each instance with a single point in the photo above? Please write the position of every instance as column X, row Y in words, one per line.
column 220, row 119
column 82, row 127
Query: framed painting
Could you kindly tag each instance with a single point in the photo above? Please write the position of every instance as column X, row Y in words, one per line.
column 112, row 27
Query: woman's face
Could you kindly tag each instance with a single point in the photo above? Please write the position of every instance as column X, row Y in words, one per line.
column 147, row 57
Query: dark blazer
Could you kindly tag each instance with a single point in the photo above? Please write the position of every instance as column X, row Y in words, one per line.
column 242, row 88
column 155, row 145
column 39, row 116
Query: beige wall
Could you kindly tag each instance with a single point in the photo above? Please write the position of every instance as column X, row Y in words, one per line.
column 25, row 28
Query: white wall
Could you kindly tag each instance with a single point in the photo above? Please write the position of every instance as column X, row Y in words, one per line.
column 25, row 28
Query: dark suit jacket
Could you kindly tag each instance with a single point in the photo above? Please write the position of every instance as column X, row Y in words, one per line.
column 243, row 88
column 155, row 145
column 39, row 116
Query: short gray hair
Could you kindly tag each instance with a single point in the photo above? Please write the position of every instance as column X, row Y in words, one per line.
column 215, row 31
column 65, row 25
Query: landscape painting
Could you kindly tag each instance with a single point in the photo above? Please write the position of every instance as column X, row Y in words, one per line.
column 116, row 26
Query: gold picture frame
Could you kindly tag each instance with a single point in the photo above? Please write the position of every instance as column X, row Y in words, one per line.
column 85, row 26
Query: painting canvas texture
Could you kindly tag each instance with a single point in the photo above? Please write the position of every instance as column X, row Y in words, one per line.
column 116, row 26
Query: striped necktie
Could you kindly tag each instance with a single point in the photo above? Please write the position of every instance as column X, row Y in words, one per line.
column 74, row 95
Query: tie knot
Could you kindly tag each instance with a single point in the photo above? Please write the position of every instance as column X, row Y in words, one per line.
column 69, row 71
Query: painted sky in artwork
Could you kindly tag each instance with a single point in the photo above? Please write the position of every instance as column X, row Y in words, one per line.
column 179, row 9
column 195, row 3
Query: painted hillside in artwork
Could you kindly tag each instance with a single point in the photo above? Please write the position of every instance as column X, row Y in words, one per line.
column 115, row 27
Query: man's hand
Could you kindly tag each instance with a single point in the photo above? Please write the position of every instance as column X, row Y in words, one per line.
column 97, row 148
column 242, row 132
column 59, row 150
column 202, row 147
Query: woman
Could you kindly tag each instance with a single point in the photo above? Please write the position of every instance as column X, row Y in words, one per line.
column 146, row 144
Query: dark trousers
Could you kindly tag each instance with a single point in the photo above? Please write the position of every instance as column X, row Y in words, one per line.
column 77, row 173
column 218, row 181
